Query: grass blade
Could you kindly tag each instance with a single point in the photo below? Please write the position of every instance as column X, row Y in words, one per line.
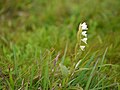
column 91, row 75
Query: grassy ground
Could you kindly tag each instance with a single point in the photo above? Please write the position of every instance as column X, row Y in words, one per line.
column 37, row 45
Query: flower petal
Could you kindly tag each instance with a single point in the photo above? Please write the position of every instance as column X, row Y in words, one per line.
column 82, row 48
column 84, row 33
column 84, row 40
column 84, row 26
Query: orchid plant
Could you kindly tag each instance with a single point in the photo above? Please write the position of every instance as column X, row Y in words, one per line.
column 83, row 29
column 81, row 38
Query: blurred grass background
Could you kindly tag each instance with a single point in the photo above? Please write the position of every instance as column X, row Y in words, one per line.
column 22, row 20
column 36, row 25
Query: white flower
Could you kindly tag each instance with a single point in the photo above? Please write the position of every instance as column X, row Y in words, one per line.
column 82, row 48
column 84, row 26
column 84, row 40
column 84, row 33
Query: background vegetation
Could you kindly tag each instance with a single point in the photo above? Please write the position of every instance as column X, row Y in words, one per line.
column 38, row 38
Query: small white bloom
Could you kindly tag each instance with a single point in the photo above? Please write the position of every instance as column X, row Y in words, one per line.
column 84, row 33
column 84, row 40
column 82, row 48
column 84, row 26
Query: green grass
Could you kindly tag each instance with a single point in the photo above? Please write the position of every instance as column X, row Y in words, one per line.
column 38, row 39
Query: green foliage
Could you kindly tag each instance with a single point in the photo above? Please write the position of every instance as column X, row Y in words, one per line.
column 37, row 45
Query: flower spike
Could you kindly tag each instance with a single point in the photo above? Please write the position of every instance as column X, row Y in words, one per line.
column 82, row 31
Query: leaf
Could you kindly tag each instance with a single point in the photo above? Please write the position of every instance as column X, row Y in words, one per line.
column 64, row 70
column 11, row 81
column 91, row 75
